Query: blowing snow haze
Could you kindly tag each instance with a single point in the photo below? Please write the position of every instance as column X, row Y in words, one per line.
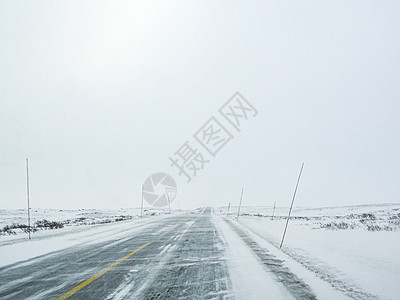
column 99, row 95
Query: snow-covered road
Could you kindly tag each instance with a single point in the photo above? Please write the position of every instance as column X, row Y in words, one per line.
column 167, row 257
column 188, row 256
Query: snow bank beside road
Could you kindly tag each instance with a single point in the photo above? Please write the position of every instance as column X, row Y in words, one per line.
column 346, row 258
column 249, row 279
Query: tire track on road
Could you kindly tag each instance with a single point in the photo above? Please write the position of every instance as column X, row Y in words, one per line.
column 293, row 284
column 324, row 272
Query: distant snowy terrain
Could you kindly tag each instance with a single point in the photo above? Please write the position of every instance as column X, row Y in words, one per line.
column 355, row 248
column 14, row 222
column 372, row 217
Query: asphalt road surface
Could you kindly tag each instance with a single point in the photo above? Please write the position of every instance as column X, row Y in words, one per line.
column 175, row 258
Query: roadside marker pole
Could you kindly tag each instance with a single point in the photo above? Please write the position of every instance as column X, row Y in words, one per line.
column 291, row 206
column 240, row 204
column 229, row 206
column 273, row 212
column 169, row 202
column 141, row 207
column 27, row 192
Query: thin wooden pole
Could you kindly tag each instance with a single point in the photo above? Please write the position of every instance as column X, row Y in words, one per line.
column 291, row 206
column 273, row 211
column 27, row 192
column 141, row 207
column 240, row 204
column 169, row 202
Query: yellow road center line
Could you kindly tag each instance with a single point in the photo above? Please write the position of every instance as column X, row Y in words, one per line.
column 164, row 233
column 85, row 283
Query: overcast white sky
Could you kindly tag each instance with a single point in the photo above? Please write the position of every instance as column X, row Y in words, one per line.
column 99, row 95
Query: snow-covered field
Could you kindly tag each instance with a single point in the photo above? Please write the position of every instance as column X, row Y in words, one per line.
column 13, row 223
column 355, row 249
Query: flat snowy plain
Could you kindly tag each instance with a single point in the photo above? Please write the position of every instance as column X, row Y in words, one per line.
column 339, row 253
column 355, row 249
